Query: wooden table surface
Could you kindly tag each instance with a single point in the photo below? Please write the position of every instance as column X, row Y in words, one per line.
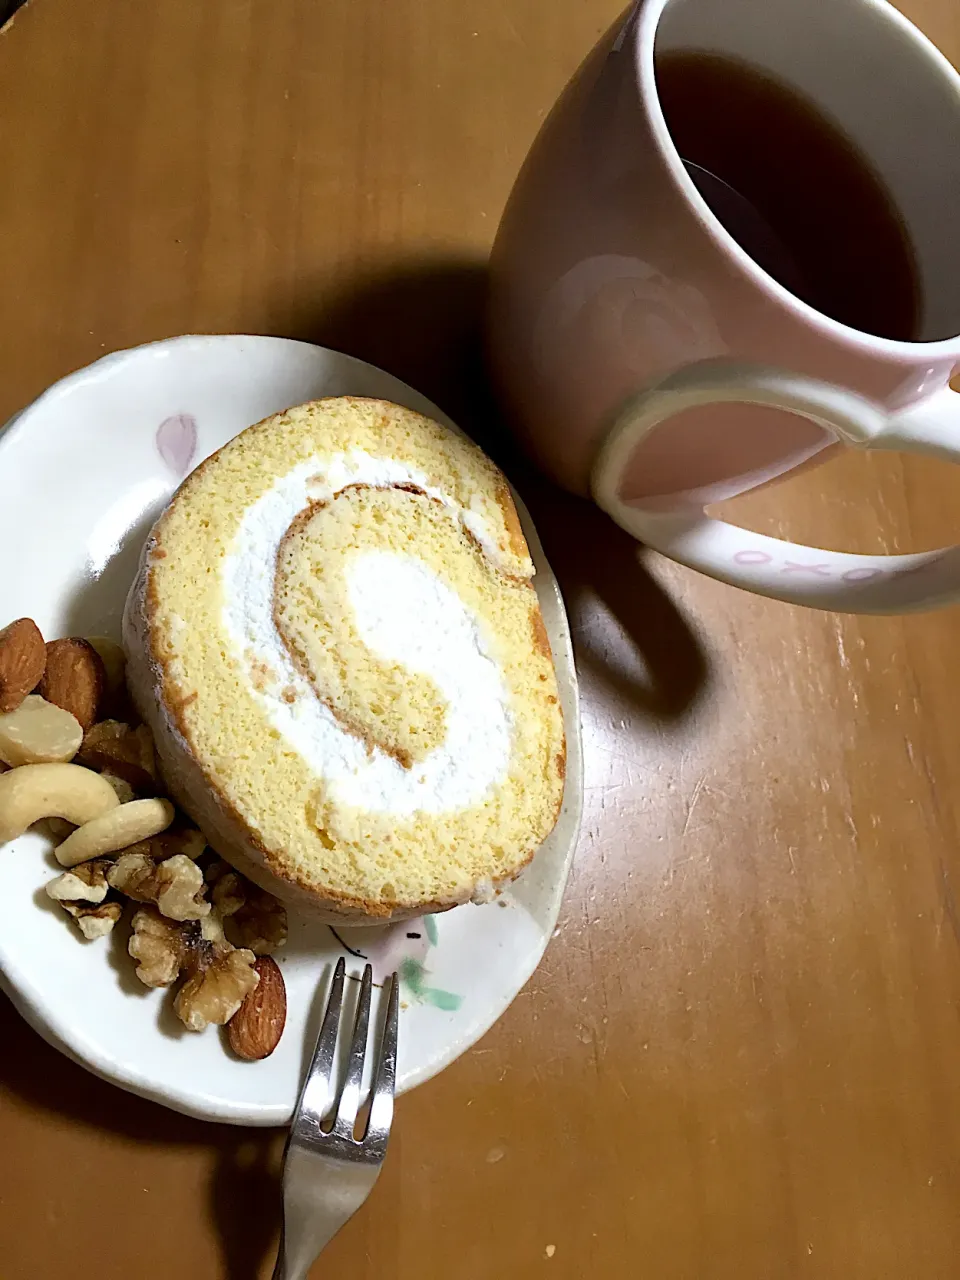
column 741, row 1055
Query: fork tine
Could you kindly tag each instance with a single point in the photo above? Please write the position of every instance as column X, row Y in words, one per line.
column 350, row 1096
column 317, row 1087
column 328, row 1173
column 384, row 1081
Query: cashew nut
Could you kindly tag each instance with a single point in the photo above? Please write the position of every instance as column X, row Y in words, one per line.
column 117, row 829
column 37, row 791
column 39, row 732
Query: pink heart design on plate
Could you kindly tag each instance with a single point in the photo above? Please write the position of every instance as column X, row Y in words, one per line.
column 176, row 440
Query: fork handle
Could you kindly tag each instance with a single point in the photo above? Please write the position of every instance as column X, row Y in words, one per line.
column 292, row 1268
column 288, row 1268
column 294, row 1259
column 281, row 1271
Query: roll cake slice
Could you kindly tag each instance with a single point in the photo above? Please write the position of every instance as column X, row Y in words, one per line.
column 334, row 637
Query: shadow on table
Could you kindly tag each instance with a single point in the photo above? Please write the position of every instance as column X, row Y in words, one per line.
column 244, row 1192
column 422, row 322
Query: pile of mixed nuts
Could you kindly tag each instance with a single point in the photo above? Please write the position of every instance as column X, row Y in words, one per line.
column 73, row 757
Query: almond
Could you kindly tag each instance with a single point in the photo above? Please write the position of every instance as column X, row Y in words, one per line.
column 255, row 1029
column 22, row 661
column 74, row 678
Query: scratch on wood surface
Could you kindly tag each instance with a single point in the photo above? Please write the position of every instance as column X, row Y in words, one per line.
column 949, row 903
column 697, row 790
column 679, row 863
column 595, row 1054
column 618, row 753
column 841, row 650
column 757, row 992
column 618, row 1080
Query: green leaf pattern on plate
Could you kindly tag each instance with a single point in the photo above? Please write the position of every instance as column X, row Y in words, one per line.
column 403, row 947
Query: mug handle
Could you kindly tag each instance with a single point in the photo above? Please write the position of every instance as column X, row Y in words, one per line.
column 768, row 566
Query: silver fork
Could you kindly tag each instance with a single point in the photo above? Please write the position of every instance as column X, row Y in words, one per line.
column 328, row 1174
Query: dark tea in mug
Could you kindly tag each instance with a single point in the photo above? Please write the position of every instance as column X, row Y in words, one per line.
column 791, row 188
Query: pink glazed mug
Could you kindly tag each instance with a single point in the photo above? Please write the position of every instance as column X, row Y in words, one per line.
column 646, row 358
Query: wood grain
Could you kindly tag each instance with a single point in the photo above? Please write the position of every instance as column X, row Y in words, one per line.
column 740, row 1055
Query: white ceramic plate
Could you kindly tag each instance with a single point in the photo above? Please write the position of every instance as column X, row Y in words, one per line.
column 86, row 470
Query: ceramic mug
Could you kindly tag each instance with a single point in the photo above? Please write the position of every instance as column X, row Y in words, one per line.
column 649, row 360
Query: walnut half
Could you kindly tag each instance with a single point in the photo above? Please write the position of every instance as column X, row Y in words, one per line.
column 94, row 921
column 176, row 885
column 177, row 838
column 115, row 748
column 84, row 883
column 219, row 976
column 223, row 976
column 260, row 924
column 162, row 947
column 228, row 888
column 254, row 918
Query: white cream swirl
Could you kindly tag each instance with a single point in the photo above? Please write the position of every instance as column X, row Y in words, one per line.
column 405, row 614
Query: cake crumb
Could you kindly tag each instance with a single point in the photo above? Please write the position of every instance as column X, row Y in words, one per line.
column 261, row 677
column 551, row 1249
